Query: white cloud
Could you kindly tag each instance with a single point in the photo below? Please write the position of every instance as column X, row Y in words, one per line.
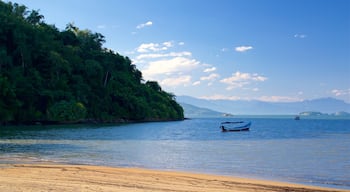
column 339, row 92
column 159, row 55
column 243, row 48
column 196, row 83
column 210, row 77
column 262, row 98
column 168, row 44
column 238, row 76
column 170, row 66
column 301, row 36
column 181, row 43
column 148, row 47
column 207, row 70
column 278, row 99
column 176, row 81
column 147, row 24
column 238, row 80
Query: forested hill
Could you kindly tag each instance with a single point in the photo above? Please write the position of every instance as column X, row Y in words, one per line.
column 52, row 75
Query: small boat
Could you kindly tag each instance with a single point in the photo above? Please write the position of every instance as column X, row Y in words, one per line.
column 297, row 117
column 232, row 126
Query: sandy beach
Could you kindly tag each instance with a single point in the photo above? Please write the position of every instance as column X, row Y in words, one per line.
column 53, row 177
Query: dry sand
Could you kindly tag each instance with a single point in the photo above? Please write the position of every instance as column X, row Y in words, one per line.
column 75, row 178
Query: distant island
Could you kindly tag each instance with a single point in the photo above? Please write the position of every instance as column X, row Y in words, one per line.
column 192, row 111
column 53, row 76
column 315, row 114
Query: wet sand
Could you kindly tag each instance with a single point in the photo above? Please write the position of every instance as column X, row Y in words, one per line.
column 64, row 178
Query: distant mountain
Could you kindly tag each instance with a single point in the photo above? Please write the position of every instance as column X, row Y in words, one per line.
column 191, row 111
column 254, row 107
column 315, row 113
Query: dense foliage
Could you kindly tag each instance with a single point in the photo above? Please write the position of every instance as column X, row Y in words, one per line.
column 67, row 76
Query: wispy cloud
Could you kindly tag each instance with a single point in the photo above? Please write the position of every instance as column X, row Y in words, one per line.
column 208, row 70
column 301, row 36
column 196, row 83
column 168, row 44
column 275, row 98
column 210, row 77
column 261, row 98
column 221, row 97
column 238, row 80
column 148, row 47
column 147, row 24
column 341, row 92
column 243, row 48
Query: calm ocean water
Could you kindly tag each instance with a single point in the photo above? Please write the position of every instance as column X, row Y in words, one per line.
column 309, row 151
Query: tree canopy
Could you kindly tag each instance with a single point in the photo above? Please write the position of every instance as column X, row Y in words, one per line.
column 67, row 76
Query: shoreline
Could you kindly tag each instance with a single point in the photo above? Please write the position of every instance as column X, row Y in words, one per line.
column 89, row 122
column 65, row 177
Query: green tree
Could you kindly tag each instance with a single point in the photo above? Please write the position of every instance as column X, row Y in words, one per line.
column 48, row 74
column 34, row 18
column 8, row 100
column 67, row 111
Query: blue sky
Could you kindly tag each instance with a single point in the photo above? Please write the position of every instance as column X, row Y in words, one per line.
column 268, row 50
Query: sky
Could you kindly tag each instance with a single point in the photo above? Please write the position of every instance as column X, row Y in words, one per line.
column 268, row 50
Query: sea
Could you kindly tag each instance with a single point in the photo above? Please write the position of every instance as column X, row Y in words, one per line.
column 307, row 151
